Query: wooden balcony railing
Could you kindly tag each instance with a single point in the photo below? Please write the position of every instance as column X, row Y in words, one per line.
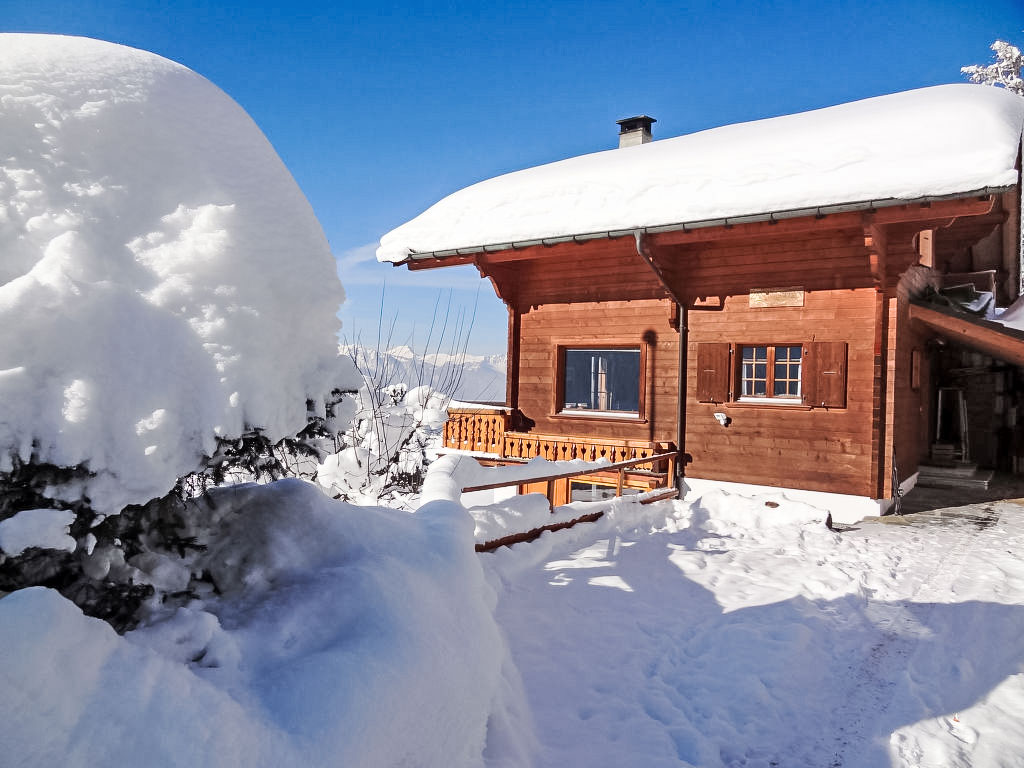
column 477, row 429
column 527, row 445
column 486, row 430
column 644, row 466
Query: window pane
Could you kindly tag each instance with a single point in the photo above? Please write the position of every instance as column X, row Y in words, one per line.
column 786, row 381
column 602, row 380
column 582, row 491
column 754, row 372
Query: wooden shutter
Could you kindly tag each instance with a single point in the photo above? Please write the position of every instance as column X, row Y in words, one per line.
column 824, row 374
column 712, row 372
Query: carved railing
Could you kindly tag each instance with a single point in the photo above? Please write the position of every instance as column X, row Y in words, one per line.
column 523, row 445
column 486, row 430
column 481, row 430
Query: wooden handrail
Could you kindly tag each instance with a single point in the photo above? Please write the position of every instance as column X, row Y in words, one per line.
column 575, row 473
column 534, row 533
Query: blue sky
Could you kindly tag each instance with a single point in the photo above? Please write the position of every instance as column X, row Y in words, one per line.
column 380, row 109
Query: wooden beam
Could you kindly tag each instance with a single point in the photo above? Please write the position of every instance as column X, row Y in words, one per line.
column 534, row 533
column 897, row 214
column 504, row 279
column 994, row 339
column 531, row 535
column 515, row 326
column 657, row 266
column 941, row 209
column 571, row 248
column 877, row 243
column 926, row 248
column 758, row 229
column 434, row 263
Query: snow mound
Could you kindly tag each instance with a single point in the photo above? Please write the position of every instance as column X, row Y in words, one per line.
column 155, row 252
column 43, row 528
column 342, row 636
column 725, row 513
column 944, row 140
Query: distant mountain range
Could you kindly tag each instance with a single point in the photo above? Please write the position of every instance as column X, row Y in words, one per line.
column 476, row 378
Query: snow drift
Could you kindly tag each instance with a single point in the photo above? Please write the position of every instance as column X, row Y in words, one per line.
column 340, row 635
column 155, row 250
column 944, row 140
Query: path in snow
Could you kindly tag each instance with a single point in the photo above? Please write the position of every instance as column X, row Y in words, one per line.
column 779, row 646
column 862, row 712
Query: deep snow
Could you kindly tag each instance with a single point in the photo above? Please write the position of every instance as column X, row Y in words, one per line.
column 155, row 250
column 340, row 635
column 732, row 634
column 948, row 139
column 724, row 631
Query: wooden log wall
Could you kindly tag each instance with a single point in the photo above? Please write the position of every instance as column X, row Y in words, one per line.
column 599, row 292
column 826, row 449
column 817, row 261
column 639, row 322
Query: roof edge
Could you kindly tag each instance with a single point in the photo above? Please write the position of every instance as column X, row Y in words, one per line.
column 791, row 213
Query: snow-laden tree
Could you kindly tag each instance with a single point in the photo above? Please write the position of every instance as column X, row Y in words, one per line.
column 168, row 303
column 1006, row 71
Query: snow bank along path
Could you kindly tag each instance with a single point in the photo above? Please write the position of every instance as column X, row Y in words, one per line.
column 727, row 633
column 163, row 279
column 949, row 139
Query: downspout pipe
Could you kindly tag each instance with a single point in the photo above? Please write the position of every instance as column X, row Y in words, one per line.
column 684, row 333
column 644, row 253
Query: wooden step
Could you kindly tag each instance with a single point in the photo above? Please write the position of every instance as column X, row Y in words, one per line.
column 954, row 477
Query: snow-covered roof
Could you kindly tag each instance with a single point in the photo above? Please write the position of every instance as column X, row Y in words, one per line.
column 942, row 141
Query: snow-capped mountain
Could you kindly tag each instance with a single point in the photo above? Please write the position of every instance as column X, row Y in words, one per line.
column 476, row 378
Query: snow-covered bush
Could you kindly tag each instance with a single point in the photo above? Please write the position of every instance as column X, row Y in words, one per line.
column 392, row 439
column 400, row 411
column 168, row 300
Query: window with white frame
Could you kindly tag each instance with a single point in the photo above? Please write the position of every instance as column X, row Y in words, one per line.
column 771, row 371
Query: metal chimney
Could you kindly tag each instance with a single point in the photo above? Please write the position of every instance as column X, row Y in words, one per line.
column 635, row 130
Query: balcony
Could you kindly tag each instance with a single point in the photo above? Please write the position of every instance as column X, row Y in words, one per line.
column 484, row 431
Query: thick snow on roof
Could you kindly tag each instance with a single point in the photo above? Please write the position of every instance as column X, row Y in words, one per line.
column 163, row 279
column 945, row 140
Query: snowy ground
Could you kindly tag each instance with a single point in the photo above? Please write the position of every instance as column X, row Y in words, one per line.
column 724, row 632
column 724, row 640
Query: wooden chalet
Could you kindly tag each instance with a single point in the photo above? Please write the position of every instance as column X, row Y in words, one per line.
column 782, row 342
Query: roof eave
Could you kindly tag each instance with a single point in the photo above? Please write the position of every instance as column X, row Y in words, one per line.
column 729, row 221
